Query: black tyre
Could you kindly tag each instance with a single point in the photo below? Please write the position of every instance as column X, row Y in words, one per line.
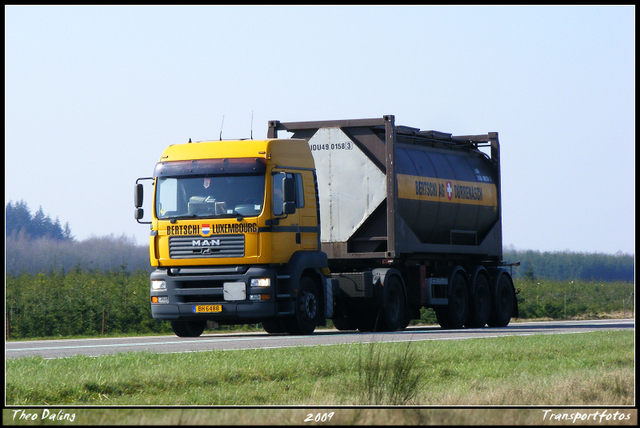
column 307, row 308
column 502, row 303
column 394, row 311
column 274, row 327
column 454, row 315
column 407, row 320
column 188, row 328
column 480, row 303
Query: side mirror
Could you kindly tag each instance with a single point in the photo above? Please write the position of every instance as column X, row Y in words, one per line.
column 289, row 192
column 289, row 189
column 138, row 213
column 138, row 196
column 288, row 208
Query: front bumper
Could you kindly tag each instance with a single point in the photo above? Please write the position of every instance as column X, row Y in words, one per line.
column 187, row 288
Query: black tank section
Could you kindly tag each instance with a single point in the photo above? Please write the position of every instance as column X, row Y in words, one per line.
column 440, row 214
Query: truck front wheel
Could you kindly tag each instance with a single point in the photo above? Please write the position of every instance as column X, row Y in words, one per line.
column 307, row 308
column 188, row 328
column 274, row 327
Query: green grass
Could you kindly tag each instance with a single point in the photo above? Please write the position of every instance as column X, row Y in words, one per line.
column 563, row 370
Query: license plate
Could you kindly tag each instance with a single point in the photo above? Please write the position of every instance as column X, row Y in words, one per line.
column 207, row 308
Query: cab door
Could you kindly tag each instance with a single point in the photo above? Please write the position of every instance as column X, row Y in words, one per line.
column 306, row 202
column 285, row 231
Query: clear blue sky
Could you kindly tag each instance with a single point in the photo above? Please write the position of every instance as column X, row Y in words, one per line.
column 94, row 94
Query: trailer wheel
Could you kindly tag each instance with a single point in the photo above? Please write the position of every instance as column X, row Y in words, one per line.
column 454, row 315
column 188, row 328
column 394, row 308
column 307, row 308
column 502, row 303
column 480, row 307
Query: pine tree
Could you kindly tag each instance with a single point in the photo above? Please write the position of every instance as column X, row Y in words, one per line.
column 38, row 227
column 67, row 232
column 56, row 231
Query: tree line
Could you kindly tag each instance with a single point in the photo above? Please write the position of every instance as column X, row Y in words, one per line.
column 35, row 243
column 20, row 222
column 565, row 265
column 95, row 254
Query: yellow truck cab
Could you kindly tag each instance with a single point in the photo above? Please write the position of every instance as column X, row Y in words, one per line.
column 235, row 236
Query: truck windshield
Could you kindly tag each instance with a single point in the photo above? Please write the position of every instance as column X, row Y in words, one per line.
column 209, row 196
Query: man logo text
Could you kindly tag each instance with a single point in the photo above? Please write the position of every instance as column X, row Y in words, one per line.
column 205, row 242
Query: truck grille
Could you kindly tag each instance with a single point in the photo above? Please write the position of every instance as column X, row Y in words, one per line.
column 198, row 247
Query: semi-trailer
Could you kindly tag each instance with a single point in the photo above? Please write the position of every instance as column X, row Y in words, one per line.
column 363, row 222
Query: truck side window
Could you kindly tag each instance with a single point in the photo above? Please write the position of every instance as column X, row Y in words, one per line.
column 278, row 197
column 299, row 191
column 168, row 192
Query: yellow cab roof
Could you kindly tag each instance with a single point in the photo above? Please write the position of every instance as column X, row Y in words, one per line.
column 283, row 152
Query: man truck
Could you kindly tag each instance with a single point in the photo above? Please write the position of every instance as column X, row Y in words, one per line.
column 363, row 222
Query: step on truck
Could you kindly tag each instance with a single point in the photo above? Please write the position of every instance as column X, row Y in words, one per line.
column 363, row 222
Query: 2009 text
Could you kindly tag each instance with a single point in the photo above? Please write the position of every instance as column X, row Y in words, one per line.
column 320, row 417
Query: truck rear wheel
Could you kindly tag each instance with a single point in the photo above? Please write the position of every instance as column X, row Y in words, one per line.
column 395, row 308
column 502, row 303
column 454, row 315
column 480, row 300
column 307, row 308
column 188, row 328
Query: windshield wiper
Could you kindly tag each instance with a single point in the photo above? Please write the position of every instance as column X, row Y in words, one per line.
column 235, row 214
column 185, row 216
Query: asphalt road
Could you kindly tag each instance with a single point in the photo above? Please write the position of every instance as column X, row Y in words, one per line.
column 260, row 340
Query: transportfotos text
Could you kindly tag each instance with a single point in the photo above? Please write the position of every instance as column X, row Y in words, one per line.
column 597, row 416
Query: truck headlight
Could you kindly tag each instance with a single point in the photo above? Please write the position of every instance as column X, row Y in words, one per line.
column 157, row 285
column 260, row 282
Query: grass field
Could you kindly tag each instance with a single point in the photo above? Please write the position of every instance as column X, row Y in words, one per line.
column 560, row 370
